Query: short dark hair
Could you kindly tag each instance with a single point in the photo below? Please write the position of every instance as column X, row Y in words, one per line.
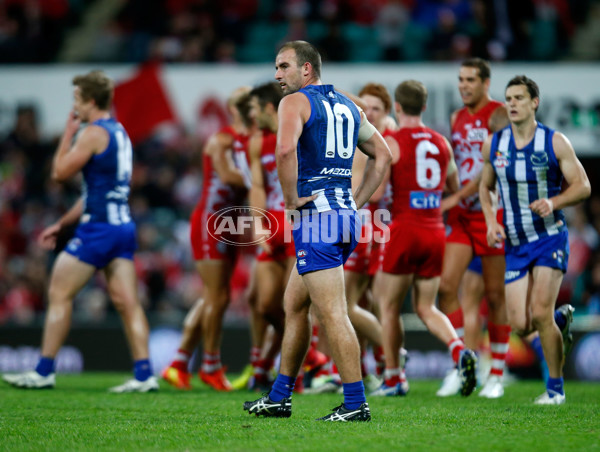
column 268, row 93
column 481, row 65
column 96, row 86
column 531, row 86
column 412, row 97
column 242, row 104
column 377, row 90
column 305, row 53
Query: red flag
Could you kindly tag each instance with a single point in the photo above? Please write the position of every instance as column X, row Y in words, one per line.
column 141, row 103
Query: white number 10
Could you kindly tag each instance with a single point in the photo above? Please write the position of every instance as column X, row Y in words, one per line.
column 335, row 131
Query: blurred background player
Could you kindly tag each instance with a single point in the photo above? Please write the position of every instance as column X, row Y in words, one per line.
column 105, row 238
column 275, row 257
column 362, row 263
column 225, row 183
column 466, row 224
column 414, row 253
column 529, row 162
column 315, row 174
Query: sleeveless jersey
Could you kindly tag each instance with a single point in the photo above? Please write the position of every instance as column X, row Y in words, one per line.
column 106, row 178
column 269, row 166
column 525, row 175
column 326, row 149
column 419, row 176
column 468, row 135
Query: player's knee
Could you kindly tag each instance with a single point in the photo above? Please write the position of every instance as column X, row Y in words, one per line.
column 446, row 290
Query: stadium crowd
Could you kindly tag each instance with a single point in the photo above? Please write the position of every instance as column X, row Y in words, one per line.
column 35, row 31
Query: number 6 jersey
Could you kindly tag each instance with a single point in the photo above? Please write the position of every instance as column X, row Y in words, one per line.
column 419, row 176
column 326, row 149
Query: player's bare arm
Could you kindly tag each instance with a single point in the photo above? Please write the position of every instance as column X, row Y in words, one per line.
column 219, row 148
column 488, row 197
column 47, row 238
column 68, row 159
column 257, row 195
column 498, row 119
column 452, row 180
column 574, row 174
column 375, row 147
column 293, row 112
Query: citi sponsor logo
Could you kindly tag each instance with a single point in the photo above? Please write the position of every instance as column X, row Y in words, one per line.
column 425, row 199
column 242, row 225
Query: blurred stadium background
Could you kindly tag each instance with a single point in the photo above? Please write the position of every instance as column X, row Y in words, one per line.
column 175, row 61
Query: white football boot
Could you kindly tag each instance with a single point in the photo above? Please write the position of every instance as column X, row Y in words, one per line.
column 30, row 380
column 133, row 385
column 451, row 384
column 493, row 388
column 545, row 399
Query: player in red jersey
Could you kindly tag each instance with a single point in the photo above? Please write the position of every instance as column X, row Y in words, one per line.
column 275, row 257
column 414, row 253
column 471, row 125
column 225, row 183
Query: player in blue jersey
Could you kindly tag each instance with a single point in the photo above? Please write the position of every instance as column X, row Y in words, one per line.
column 319, row 129
column 105, row 238
column 529, row 162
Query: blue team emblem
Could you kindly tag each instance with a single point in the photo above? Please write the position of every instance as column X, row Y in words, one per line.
column 74, row 244
column 539, row 158
column 559, row 255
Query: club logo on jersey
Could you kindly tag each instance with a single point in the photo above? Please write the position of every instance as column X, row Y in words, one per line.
column 501, row 160
column 477, row 135
column 302, row 253
column 425, row 199
column 539, row 158
column 242, row 225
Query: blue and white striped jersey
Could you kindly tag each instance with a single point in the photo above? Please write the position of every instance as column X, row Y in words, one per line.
column 106, row 178
column 326, row 149
column 525, row 175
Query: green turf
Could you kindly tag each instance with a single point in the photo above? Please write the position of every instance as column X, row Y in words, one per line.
column 80, row 415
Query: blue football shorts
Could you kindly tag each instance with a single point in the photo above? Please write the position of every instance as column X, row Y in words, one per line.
column 475, row 265
column 325, row 239
column 99, row 243
column 551, row 251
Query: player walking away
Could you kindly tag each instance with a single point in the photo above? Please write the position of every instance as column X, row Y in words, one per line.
column 319, row 129
column 105, row 238
column 529, row 162
column 225, row 182
column 414, row 253
column 466, row 223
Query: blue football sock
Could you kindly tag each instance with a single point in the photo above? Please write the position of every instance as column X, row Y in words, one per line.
column 45, row 366
column 560, row 319
column 282, row 388
column 354, row 395
column 536, row 345
column 142, row 369
column 556, row 385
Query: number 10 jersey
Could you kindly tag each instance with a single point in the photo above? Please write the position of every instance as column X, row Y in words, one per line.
column 326, row 149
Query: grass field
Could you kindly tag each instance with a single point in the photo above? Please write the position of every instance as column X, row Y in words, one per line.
column 80, row 415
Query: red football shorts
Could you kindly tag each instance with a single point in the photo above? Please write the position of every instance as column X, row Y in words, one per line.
column 281, row 241
column 204, row 244
column 413, row 249
column 470, row 229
